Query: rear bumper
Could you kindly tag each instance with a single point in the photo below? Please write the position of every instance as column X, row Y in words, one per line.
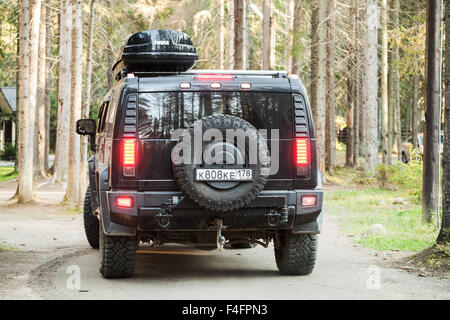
column 168, row 211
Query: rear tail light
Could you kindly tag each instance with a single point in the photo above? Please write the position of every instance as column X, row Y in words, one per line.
column 124, row 202
column 309, row 201
column 129, row 157
column 302, row 156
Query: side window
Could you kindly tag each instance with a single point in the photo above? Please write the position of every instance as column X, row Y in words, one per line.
column 102, row 116
column 111, row 114
column 99, row 117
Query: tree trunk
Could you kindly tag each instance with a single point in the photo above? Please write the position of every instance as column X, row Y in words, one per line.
column 362, row 85
column 351, row 98
column 387, row 154
column 357, row 86
column 41, row 164
column 267, row 34
column 296, row 36
column 64, row 78
column 230, row 34
column 415, row 110
column 330, row 138
column 221, row 45
column 444, row 234
column 48, row 54
column 73, row 178
column 86, row 104
column 432, row 125
column 391, row 119
column 396, row 81
column 371, row 81
column 110, row 62
column 239, row 34
column 290, row 29
column 34, row 65
column 25, row 163
column 318, row 78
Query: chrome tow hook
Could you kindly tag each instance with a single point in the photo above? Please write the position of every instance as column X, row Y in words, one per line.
column 220, row 238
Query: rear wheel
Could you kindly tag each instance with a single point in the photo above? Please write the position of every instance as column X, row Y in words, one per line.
column 117, row 255
column 297, row 254
column 90, row 221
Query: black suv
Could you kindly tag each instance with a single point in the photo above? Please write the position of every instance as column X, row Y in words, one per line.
column 168, row 167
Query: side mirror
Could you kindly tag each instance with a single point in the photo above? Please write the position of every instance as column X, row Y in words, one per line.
column 86, row 127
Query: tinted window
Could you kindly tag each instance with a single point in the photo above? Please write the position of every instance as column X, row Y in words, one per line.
column 162, row 112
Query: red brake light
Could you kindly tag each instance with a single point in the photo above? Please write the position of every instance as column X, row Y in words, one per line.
column 302, row 151
column 309, row 201
column 124, row 202
column 214, row 77
column 129, row 152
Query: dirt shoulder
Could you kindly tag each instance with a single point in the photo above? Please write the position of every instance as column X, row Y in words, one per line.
column 30, row 236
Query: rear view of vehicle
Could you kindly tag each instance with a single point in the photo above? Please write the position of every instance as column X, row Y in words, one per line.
column 212, row 159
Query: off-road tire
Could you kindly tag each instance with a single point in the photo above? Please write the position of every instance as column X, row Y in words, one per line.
column 297, row 254
column 231, row 199
column 90, row 221
column 117, row 255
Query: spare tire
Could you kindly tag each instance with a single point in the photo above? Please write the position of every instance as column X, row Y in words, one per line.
column 220, row 195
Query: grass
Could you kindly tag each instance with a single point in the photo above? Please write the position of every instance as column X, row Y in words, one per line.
column 7, row 173
column 365, row 205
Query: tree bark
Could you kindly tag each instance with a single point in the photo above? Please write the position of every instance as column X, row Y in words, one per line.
column 64, row 78
column 444, row 233
column 296, row 36
column 318, row 77
column 239, row 34
column 86, row 104
column 73, row 178
column 330, row 137
column 371, row 81
column 230, row 34
column 221, row 45
column 432, row 125
column 387, row 154
column 25, row 145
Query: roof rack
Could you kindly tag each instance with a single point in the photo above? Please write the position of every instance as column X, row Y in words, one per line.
column 253, row 73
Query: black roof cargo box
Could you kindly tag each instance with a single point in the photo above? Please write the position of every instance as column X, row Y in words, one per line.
column 156, row 51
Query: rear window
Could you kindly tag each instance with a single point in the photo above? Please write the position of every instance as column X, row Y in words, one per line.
column 162, row 112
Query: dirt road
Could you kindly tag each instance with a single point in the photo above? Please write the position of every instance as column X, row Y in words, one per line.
column 49, row 243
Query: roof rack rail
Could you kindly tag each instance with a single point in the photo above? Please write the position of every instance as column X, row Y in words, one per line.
column 272, row 73
column 253, row 73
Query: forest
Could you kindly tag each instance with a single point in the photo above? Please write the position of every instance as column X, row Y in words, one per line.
column 373, row 69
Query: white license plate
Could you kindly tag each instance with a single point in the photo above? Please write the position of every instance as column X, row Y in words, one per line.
column 223, row 174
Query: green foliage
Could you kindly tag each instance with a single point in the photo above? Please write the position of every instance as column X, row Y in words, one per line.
column 9, row 152
column 358, row 210
column 402, row 176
